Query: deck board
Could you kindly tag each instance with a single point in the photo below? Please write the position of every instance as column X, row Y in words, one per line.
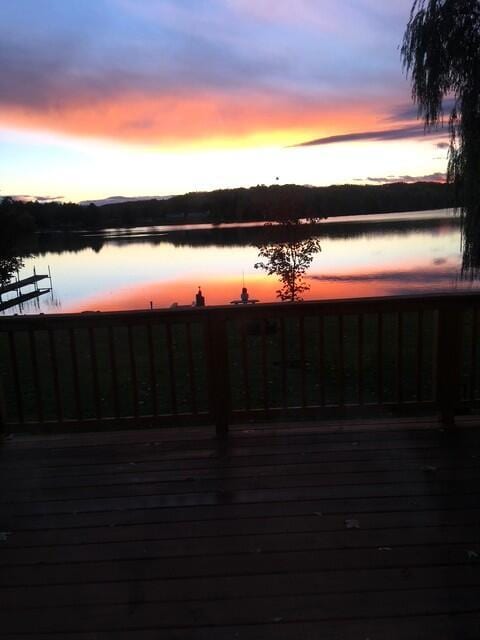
column 173, row 534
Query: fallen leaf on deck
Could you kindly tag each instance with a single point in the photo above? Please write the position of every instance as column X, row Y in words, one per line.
column 384, row 548
column 429, row 468
column 4, row 535
column 277, row 619
column 472, row 555
column 317, row 513
column 351, row 523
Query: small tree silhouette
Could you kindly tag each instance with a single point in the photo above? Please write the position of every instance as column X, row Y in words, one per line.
column 289, row 260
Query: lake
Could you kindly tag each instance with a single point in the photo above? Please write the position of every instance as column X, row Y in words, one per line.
column 134, row 268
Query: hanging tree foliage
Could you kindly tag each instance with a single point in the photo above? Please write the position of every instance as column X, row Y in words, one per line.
column 441, row 51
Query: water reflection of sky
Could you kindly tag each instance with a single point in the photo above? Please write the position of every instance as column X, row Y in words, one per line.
column 388, row 260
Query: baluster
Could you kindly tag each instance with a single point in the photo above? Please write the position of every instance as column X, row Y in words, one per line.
column 133, row 371
column 246, row 377
column 473, row 353
column 301, row 329
column 56, row 381
column 360, row 359
column 171, row 368
column 380, row 357
column 113, row 368
column 191, row 369
column 263, row 322
column 36, row 375
column 321, row 360
column 341, row 364
column 399, row 357
column 419, row 366
column 16, row 379
column 76, row 376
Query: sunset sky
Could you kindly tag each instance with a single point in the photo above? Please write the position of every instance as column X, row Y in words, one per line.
column 156, row 97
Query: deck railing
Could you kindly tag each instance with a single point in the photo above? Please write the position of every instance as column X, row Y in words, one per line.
column 218, row 365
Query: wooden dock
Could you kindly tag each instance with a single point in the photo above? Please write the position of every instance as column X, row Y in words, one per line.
column 336, row 531
column 19, row 284
column 23, row 297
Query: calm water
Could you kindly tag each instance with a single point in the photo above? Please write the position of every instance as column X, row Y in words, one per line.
column 129, row 268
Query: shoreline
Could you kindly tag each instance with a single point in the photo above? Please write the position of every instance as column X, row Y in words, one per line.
column 374, row 217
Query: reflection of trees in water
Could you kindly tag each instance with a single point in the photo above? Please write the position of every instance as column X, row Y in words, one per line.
column 44, row 243
column 289, row 259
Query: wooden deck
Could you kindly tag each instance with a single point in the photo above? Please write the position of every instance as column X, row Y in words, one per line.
column 341, row 532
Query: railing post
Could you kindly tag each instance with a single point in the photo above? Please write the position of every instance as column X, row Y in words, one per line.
column 449, row 347
column 3, row 411
column 218, row 373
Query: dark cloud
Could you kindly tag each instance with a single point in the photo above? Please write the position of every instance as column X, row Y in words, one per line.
column 31, row 76
column 102, row 49
column 431, row 177
column 39, row 75
column 48, row 198
column 402, row 133
column 28, row 198
column 409, row 112
column 404, row 112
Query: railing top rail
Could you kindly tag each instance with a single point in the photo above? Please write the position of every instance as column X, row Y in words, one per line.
column 331, row 306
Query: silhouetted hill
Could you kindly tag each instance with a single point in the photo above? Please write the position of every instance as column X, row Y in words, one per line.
column 121, row 200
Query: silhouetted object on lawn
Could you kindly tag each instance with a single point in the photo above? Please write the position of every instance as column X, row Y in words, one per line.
column 199, row 299
column 441, row 50
column 289, row 260
column 244, row 298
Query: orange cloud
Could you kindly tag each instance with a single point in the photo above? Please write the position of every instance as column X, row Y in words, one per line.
column 176, row 121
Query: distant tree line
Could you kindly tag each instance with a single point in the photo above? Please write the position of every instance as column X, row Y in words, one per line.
column 260, row 203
